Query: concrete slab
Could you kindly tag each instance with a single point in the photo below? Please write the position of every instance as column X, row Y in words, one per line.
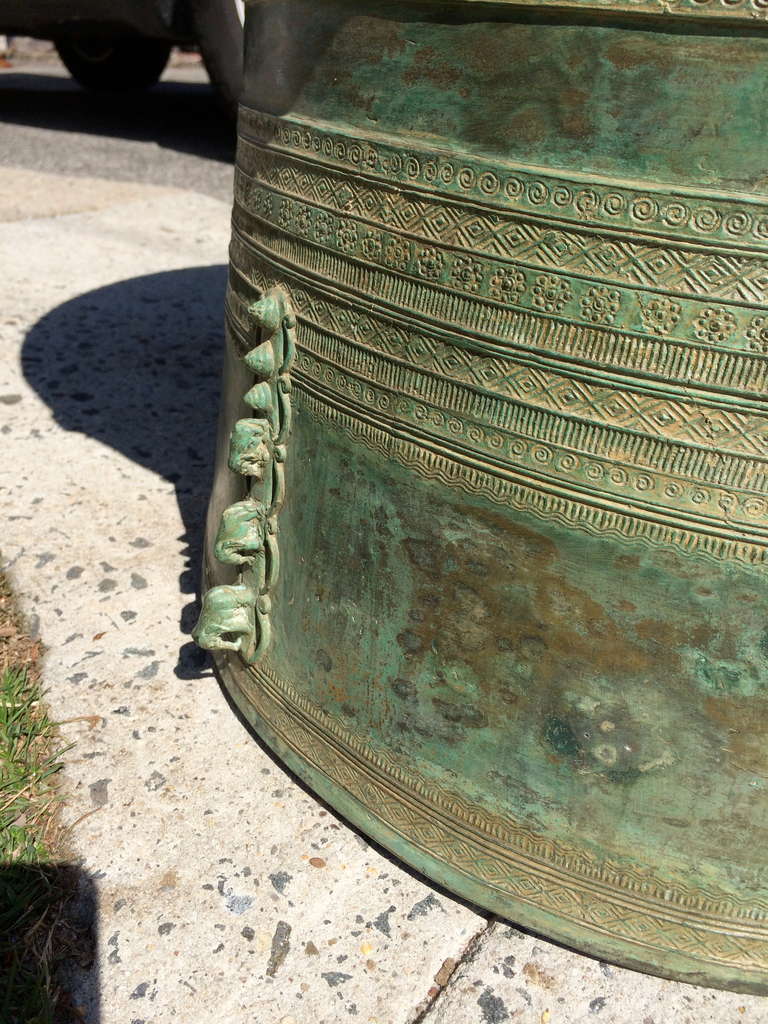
column 226, row 893
column 507, row 975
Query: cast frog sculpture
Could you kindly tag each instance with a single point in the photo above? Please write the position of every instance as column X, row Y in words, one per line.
column 236, row 617
column 227, row 621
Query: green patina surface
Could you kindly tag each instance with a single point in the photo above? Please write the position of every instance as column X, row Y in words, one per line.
column 665, row 102
column 585, row 686
column 517, row 473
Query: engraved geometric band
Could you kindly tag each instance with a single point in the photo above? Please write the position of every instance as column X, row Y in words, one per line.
column 323, row 205
column 521, row 488
column 691, row 415
column 614, row 350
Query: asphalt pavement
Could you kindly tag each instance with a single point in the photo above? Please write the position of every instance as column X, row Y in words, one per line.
column 173, row 135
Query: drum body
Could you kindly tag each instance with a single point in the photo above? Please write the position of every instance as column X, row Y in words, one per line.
column 488, row 533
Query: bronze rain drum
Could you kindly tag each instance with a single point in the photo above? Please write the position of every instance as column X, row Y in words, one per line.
column 486, row 558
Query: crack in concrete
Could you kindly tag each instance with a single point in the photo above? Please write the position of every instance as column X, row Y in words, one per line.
column 426, row 1006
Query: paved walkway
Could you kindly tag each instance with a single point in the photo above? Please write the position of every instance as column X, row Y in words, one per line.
column 224, row 892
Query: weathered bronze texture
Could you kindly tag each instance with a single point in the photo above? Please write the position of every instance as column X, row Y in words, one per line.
column 519, row 628
column 236, row 616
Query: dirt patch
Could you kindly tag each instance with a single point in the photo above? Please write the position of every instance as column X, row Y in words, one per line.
column 18, row 650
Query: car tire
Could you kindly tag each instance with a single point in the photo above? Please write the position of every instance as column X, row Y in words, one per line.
column 103, row 64
column 218, row 27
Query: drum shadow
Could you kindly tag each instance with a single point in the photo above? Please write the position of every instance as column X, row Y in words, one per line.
column 136, row 366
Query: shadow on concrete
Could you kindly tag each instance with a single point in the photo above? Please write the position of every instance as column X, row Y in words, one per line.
column 176, row 115
column 48, row 929
column 136, row 365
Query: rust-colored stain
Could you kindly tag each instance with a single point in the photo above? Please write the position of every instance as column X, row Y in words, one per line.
column 430, row 66
column 169, row 880
column 743, row 747
column 538, row 976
